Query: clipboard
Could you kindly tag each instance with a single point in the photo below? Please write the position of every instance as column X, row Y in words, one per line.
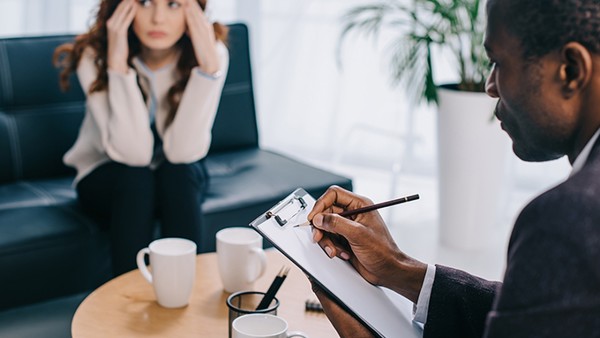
column 387, row 313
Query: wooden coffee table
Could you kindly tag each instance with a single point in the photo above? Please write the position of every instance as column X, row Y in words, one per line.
column 126, row 306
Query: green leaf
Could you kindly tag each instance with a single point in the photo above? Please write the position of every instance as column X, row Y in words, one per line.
column 421, row 24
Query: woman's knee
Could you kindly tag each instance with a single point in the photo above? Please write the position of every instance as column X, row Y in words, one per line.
column 133, row 180
column 181, row 175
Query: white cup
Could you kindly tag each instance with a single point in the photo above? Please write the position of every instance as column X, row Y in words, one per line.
column 258, row 325
column 173, row 265
column 241, row 258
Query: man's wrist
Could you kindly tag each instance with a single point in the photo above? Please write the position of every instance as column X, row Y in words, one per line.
column 408, row 277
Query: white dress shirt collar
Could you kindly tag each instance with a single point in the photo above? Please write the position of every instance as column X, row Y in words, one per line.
column 584, row 154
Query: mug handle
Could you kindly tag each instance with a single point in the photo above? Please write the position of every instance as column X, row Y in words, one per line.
column 142, row 265
column 297, row 334
column 263, row 263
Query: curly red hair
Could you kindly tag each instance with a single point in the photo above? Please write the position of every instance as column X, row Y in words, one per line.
column 68, row 55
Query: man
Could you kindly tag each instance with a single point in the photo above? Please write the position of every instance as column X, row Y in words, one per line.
column 546, row 74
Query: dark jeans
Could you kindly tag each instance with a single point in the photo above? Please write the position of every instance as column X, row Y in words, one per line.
column 130, row 199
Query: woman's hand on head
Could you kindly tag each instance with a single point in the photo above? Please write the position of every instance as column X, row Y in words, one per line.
column 117, row 26
column 365, row 242
column 202, row 35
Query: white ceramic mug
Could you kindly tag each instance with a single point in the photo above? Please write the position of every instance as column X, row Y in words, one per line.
column 173, row 265
column 262, row 326
column 241, row 258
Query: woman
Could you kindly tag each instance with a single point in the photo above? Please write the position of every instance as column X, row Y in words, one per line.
column 153, row 72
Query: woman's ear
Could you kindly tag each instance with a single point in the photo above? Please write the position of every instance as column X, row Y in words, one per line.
column 576, row 68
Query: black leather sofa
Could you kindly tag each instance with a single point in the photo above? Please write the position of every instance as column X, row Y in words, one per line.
column 51, row 253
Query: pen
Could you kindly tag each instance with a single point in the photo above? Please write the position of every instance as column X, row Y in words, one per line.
column 368, row 208
column 268, row 298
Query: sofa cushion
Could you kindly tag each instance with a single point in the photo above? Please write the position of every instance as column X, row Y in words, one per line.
column 48, row 248
column 38, row 122
column 246, row 183
column 49, row 319
column 22, row 194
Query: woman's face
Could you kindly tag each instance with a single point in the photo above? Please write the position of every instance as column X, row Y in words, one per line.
column 159, row 24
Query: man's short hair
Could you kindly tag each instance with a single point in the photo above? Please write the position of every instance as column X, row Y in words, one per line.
column 546, row 25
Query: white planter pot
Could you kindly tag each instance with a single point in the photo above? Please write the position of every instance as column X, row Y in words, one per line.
column 472, row 164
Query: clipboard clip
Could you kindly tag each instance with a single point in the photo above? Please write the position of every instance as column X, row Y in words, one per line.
column 279, row 211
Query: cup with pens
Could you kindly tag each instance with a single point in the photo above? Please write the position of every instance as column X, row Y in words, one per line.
column 262, row 306
column 247, row 302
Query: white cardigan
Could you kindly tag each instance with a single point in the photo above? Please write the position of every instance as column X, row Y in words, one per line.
column 116, row 126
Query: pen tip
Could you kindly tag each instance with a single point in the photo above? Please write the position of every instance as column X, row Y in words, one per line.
column 302, row 224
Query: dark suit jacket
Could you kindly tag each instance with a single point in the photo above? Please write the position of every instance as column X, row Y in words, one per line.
column 552, row 281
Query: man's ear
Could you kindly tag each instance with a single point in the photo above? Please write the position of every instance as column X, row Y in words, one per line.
column 575, row 69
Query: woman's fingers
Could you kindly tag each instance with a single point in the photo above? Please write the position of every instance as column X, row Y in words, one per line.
column 202, row 35
column 196, row 20
column 123, row 15
column 130, row 15
column 117, row 26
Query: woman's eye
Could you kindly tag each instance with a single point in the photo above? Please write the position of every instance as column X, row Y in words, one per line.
column 174, row 4
column 145, row 3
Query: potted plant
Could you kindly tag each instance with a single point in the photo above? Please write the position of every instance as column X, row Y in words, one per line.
column 472, row 149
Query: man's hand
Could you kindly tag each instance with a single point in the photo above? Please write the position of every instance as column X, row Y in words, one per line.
column 365, row 242
column 117, row 27
column 202, row 35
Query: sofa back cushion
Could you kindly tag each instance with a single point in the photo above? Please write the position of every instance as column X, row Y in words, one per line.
column 39, row 122
column 235, row 124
